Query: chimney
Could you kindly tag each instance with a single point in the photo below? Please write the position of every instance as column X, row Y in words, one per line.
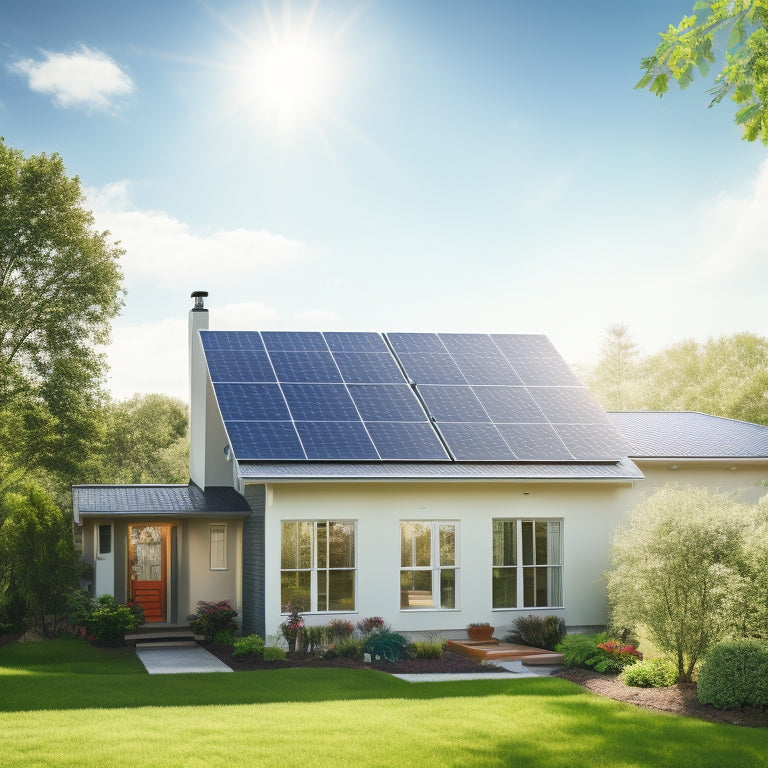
column 198, row 320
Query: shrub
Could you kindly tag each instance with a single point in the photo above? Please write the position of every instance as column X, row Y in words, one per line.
column 109, row 621
column 735, row 673
column 386, row 645
column 346, row 647
column 369, row 626
column 315, row 639
column 250, row 645
column 427, row 649
column 537, row 631
column 212, row 618
column 339, row 628
column 596, row 652
column 650, row 673
column 102, row 618
column 273, row 653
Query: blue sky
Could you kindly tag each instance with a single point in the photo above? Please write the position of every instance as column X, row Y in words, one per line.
column 423, row 166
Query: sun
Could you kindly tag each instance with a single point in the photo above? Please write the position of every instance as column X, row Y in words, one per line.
column 288, row 71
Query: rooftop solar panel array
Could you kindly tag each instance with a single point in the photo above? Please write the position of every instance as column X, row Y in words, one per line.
column 363, row 397
column 317, row 397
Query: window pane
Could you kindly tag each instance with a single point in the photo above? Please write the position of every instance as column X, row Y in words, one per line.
column 529, row 587
column 505, row 542
column 218, row 547
column 554, row 543
column 541, row 543
column 554, row 586
column 341, row 545
column 415, row 544
column 528, row 558
column 447, row 545
column 416, row 589
column 322, row 544
column 305, row 545
column 294, row 589
column 505, row 587
column 448, row 588
column 341, row 590
column 288, row 551
column 105, row 539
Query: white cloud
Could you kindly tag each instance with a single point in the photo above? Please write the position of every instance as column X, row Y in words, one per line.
column 85, row 78
column 734, row 235
column 162, row 248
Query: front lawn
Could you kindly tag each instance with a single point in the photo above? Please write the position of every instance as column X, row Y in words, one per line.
column 54, row 714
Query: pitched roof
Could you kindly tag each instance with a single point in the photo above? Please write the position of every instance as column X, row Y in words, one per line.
column 689, row 435
column 157, row 500
column 404, row 397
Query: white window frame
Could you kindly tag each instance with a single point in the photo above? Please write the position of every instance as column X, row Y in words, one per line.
column 315, row 570
column 221, row 563
column 435, row 566
column 555, row 581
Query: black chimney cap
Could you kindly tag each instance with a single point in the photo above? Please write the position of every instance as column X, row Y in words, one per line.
column 195, row 294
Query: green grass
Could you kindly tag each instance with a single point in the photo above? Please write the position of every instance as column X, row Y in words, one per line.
column 65, row 703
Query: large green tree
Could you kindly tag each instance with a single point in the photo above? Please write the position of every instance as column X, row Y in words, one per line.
column 614, row 378
column 680, row 569
column 141, row 440
column 738, row 28
column 59, row 289
column 37, row 559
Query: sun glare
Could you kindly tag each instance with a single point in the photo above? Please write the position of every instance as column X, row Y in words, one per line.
column 288, row 70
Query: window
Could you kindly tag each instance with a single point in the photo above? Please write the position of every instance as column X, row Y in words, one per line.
column 219, row 547
column 428, row 565
column 527, row 564
column 317, row 565
column 105, row 540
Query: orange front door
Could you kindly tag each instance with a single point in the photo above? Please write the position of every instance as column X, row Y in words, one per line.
column 148, row 568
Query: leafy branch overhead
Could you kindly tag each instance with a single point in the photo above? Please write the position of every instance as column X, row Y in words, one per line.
column 739, row 29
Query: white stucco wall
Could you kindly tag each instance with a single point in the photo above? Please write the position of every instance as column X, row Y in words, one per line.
column 203, row 582
column 588, row 512
column 746, row 479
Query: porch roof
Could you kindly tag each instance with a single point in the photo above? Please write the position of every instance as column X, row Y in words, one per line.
column 156, row 501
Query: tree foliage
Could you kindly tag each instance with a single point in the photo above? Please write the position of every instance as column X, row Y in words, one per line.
column 740, row 29
column 59, row 290
column 727, row 376
column 615, row 375
column 141, row 440
column 679, row 569
column 37, row 559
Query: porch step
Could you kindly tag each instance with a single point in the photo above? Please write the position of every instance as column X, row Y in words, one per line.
column 160, row 635
column 169, row 643
column 496, row 651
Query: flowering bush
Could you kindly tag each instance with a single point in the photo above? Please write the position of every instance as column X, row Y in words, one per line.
column 338, row 629
column 102, row 619
column 597, row 652
column 212, row 619
column 292, row 627
column 369, row 626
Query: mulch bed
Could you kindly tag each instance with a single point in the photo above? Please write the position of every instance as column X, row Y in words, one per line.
column 678, row 699
column 450, row 663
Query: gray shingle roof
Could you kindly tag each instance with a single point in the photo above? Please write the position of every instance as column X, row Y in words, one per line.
column 277, row 472
column 689, row 435
column 156, row 500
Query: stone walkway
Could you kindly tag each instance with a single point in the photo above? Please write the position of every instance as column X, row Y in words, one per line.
column 171, row 659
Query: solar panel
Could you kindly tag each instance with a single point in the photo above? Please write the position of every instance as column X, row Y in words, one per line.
column 327, row 397
column 363, row 397
column 518, row 384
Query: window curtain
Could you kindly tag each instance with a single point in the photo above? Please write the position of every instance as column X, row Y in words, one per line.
column 554, row 560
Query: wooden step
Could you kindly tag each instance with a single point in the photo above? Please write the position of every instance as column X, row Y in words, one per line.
column 496, row 651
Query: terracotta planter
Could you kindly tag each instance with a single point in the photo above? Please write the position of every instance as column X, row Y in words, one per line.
column 480, row 633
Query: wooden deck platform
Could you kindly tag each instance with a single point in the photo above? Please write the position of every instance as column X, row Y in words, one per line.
column 493, row 650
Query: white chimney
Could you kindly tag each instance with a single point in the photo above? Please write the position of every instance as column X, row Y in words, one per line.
column 198, row 320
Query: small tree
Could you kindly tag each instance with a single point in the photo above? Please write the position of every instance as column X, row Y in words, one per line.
column 37, row 560
column 679, row 569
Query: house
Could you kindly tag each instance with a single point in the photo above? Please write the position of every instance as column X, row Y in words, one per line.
column 431, row 479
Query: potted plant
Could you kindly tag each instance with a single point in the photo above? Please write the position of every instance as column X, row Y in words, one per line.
column 480, row 630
